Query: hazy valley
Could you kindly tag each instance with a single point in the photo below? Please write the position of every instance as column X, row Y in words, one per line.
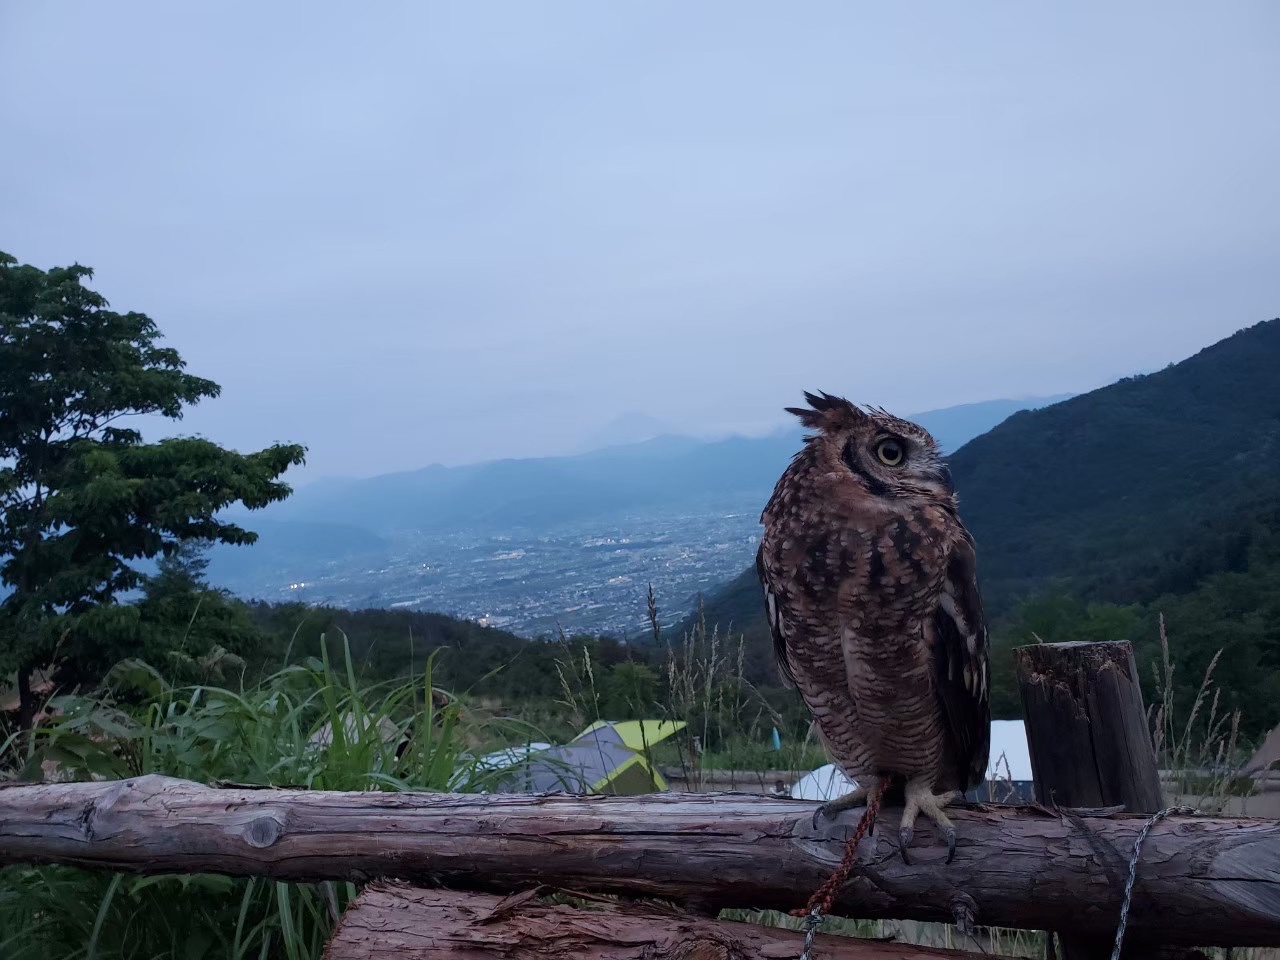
column 532, row 546
column 590, row 576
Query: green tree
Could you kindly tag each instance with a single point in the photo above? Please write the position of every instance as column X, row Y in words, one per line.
column 83, row 497
column 191, row 627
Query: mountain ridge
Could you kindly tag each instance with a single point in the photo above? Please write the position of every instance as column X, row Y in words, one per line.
column 1110, row 495
column 388, row 501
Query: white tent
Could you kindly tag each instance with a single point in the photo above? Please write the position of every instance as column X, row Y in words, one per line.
column 824, row 783
column 1010, row 759
column 1010, row 755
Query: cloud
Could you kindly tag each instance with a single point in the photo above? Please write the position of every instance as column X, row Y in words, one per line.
column 411, row 232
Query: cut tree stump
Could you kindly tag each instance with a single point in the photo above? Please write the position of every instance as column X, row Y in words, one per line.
column 1089, row 742
column 1086, row 726
column 391, row 919
column 1204, row 881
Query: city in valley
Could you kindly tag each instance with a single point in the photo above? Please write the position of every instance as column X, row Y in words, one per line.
column 587, row 577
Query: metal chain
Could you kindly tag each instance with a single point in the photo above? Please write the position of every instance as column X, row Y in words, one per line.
column 1133, row 870
column 825, row 895
column 811, row 924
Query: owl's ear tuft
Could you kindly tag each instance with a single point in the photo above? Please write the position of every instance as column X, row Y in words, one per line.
column 826, row 411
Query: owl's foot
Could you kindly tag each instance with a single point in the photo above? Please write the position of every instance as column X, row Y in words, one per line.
column 856, row 797
column 846, row 801
column 922, row 799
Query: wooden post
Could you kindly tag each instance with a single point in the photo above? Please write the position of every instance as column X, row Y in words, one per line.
column 1089, row 741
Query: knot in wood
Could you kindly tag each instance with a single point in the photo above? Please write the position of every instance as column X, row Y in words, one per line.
column 263, row 832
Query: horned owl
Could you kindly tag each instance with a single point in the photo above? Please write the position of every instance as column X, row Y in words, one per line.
column 871, row 592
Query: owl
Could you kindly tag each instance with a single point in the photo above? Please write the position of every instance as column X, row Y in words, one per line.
column 871, row 591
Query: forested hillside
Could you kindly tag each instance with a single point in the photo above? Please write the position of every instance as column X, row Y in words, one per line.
column 464, row 657
column 1157, row 493
column 1106, row 490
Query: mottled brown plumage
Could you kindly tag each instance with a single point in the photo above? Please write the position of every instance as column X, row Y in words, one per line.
column 872, row 597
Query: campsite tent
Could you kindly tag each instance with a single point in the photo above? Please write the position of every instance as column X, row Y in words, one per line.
column 604, row 758
column 825, row 783
column 1009, row 776
column 1010, row 761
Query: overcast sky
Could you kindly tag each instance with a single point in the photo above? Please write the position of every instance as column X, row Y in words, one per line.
column 405, row 233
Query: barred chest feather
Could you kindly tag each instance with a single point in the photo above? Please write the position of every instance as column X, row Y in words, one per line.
column 894, row 703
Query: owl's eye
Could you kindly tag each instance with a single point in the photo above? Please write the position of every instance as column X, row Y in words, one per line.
column 890, row 452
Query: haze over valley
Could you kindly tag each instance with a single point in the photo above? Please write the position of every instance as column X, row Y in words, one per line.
column 537, row 545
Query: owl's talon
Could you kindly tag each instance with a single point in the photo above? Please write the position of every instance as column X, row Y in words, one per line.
column 832, row 809
column 922, row 799
column 904, row 840
column 823, row 813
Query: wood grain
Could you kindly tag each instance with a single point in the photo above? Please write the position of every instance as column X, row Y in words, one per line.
column 393, row 919
column 1086, row 726
column 1203, row 881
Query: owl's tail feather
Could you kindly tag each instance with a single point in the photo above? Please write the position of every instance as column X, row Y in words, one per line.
column 823, row 898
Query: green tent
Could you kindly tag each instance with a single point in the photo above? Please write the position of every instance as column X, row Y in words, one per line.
column 604, row 758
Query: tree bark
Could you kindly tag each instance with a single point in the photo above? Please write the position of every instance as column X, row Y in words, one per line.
column 391, row 919
column 1086, row 726
column 1205, row 881
column 1089, row 741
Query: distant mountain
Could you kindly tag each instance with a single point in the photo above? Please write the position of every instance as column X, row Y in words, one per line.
column 629, row 428
column 664, row 472
column 1136, row 490
column 337, row 520
column 953, row 427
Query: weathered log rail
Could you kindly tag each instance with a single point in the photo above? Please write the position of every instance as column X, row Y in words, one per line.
column 391, row 919
column 1202, row 881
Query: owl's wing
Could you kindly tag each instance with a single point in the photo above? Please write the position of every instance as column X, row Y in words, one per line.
column 773, row 612
column 960, row 656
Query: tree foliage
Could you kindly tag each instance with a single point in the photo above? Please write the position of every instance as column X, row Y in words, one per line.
column 84, row 498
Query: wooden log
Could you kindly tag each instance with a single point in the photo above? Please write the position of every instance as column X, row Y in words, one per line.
column 392, row 919
column 1205, row 881
column 1086, row 727
column 1089, row 741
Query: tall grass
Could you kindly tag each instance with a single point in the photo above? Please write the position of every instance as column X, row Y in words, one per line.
column 310, row 725
column 726, row 740
column 1199, row 755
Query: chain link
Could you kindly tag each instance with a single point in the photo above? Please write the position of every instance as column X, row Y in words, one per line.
column 1133, row 870
column 811, row 924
